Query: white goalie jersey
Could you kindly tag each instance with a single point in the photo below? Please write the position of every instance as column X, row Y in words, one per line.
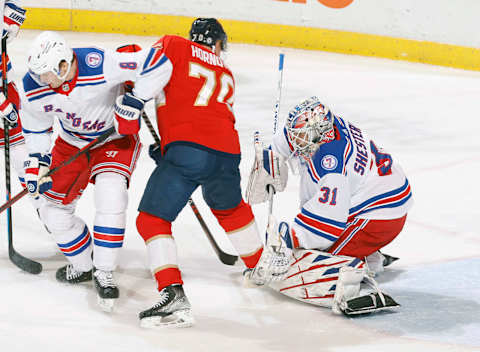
column 347, row 178
column 84, row 106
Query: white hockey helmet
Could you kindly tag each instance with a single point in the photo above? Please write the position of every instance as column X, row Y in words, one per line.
column 49, row 49
column 309, row 125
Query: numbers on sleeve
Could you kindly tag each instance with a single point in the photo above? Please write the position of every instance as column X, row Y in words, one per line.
column 210, row 83
column 383, row 160
column 328, row 196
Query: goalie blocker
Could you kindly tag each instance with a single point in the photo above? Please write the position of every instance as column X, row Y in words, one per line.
column 269, row 169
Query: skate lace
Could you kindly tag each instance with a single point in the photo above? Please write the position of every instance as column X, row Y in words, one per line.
column 72, row 273
column 105, row 278
column 163, row 298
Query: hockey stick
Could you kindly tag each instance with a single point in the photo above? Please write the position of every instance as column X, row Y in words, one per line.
column 82, row 151
column 276, row 110
column 16, row 258
column 225, row 258
column 279, row 86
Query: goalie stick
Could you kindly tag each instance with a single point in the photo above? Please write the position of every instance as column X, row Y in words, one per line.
column 16, row 258
column 225, row 258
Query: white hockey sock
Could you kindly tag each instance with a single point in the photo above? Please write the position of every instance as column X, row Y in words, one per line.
column 70, row 233
column 247, row 243
column 111, row 201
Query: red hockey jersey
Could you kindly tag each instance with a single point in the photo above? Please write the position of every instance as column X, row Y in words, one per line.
column 194, row 93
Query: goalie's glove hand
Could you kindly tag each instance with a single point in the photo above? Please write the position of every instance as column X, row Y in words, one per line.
column 155, row 152
column 8, row 111
column 36, row 166
column 13, row 18
column 268, row 168
column 275, row 260
column 128, row 109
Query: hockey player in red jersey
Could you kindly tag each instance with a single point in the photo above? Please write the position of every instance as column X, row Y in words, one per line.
column 354, row 199
column 194, row 95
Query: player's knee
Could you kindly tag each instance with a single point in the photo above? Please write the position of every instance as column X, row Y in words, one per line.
column 234, row 218
column 57, row 218
column 149, row 226
column 111, row 194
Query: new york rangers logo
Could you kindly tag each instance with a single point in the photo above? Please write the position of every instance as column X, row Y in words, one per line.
column 93, row 59
column 329, row 162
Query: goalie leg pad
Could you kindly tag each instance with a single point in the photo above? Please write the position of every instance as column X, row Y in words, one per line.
column 313, row 276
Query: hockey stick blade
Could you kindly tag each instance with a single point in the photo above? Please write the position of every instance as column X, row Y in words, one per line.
column 225, row 258
column 28, row 265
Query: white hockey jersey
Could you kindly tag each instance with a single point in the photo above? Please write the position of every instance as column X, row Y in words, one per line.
column 347, row 178
column 84, row 106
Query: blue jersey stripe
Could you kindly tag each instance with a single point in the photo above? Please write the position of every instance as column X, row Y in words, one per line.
column 315, row 231
column 322, row 219
column 381, row 196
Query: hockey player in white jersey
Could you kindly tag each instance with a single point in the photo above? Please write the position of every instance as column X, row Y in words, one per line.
column 79, row 88
column 354, row 199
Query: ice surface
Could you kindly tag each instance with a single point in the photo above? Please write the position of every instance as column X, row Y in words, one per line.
column 425, row 116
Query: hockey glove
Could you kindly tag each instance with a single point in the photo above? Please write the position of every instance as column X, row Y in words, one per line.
column 8, row 110
column 36, row 167
column 268, row 169
column 13, row 17
column 155, row 152
column 128, row 109
column 275, row 259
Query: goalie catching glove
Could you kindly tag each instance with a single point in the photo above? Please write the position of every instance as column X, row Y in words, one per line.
column 275, row 259
column 36, row 167
column 128, row 109
column 268, row 169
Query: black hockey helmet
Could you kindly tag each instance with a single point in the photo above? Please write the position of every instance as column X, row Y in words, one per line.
column 207, row 31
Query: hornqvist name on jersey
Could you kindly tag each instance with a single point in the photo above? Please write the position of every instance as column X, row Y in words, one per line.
column 207, row 57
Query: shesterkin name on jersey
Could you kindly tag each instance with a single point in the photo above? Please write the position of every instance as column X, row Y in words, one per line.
column 89, row 73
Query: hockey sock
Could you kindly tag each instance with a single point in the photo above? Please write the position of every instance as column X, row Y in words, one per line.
column 241, row 228
column 161, row 248
column 111, row 200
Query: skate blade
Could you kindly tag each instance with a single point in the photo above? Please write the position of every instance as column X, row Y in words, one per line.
column 106, row 304
column 179, row 319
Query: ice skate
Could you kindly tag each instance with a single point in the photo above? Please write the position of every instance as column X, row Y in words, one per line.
column 107, row 290
column 172, row 310
column 70, row 275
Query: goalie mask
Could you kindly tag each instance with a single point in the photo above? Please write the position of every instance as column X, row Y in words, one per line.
column 309, row 125
column 207, row 31
column 49, row 49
